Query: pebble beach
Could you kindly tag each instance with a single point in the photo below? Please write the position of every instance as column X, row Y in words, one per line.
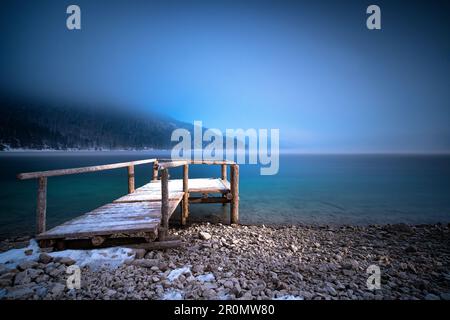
column 216, row 261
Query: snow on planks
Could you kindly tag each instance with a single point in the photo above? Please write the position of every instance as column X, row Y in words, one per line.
column 152, row 191
column 139, row 211
column 113, row 218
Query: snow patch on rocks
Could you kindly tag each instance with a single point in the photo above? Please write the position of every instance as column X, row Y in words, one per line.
column 176, row 273
column 172, row 295
column 288, row 297
column 13, row 257
column 206, row 277
column 94, row 259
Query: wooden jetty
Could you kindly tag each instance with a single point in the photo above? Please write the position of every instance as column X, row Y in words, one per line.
column 143, row 214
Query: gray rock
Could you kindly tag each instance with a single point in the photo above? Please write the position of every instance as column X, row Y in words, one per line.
column 56, row 272
column 204, row 235
column 351, row 265
column 146, row 263
column 228, row 284
column 139, row 253
column 57, row 289
column 3, row 269
column 22, row 278
column 27, row 265
column 45, row 258
column 7, row 276
column 41, row 291
column 19, row 293
column 163, row 266
column 330, row 289
column 34, row 273
column 198, row 268
column 66, row 261
column 110, row 292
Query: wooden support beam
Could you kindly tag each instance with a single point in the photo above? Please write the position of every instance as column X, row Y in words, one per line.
column 171, row 164
column 185, row 202
column 155, row 171
column 222, row 200
column 130, row 179
column 157, row 245
column 97, row 240
column 234, row 208
column 164, row 204
column 224, row 172
column 41, row 208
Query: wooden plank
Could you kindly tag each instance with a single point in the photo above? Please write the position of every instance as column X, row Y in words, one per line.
column 130, row 179
column 61, row 172
column 234, row 208
column 208, row 200
column 41, row 207
column 164, row 204
column 155, row 171
column 205, row 161
column 223, row 174
column 211, row 162
column 201, row 185
column 157, row 245
column 151, row 228
column 113, row 218
column 171, row 164
column 139, row 196
column 185, row 203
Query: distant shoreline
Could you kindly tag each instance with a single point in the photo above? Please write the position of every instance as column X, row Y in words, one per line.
column 284, row 152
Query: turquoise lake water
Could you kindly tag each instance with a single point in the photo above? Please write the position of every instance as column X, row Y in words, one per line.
column 322, row 189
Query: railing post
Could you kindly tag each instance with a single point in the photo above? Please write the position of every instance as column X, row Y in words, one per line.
column 131, row 179
column 224, row 172
column 164, row 205
column 41, row 205
column 185, row 203
column 234, row 208
column 155, row 171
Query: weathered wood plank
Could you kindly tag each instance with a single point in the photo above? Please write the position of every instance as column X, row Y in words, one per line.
column 223, row 174
column 130, row 179
column 157, row 245
column 164, row 204
column 171, row 164
column 113, row 218
column 234, row 208
column 209, row 200
column 139, row 196
column 155, row 171
column 185, row 203
column 61, row 172
column 41, row 208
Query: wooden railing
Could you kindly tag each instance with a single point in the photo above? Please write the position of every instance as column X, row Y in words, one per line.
column 41, row 209
column 164, row 168
column 160, row 168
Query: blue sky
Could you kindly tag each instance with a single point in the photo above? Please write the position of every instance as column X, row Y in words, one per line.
column 310, row 68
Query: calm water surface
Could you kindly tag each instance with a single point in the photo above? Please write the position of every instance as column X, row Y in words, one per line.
column 325, row 189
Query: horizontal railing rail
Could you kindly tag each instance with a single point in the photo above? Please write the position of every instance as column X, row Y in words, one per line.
column 63, row 172
column 206, row 161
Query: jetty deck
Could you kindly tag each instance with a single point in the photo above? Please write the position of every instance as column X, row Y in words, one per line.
column 142, row 214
